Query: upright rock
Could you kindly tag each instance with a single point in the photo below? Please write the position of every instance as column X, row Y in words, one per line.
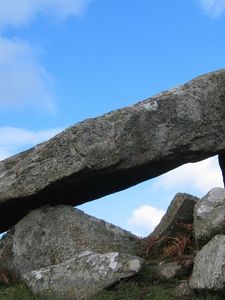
column 122, row 148
column 209, row 216
column 179, row 211
column 209, row 267
column 52, row 235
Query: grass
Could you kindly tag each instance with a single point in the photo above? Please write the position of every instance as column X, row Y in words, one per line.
column 208, row 297
column 121, row 292
column 140, row 287
column 124, row 290
column 143, row 286
column 16, row 292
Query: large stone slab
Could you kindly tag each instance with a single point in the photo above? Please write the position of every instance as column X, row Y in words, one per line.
column 103, row 155
column 52, row 235
column 82, row 276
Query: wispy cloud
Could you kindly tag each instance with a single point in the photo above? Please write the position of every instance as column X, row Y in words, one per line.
column 4, row 153
column 16, row 139
column 23, row 80
column 202, row 176
column 16, row 13
column 213, row 8
column 199, row 177
column 145, row 218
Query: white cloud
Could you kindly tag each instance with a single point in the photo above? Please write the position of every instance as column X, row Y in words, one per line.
column 203, row 176
column 213, row 8
column 4, row 153
column 14, row 139
column 23, row 81
column 147, row 217
column 19, row 12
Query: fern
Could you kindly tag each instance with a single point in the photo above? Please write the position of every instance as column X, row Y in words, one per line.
column 177, row 247
column 151, row 242
column 4, row 279
column 180, row 245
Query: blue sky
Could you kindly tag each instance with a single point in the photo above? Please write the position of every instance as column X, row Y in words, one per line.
column 62, row 61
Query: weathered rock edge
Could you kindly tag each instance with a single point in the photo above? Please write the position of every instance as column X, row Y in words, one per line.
column 209, row 216
column 180, row 210
column 52, row 235
column 209, row 267
column 82, row 276
column 103, row 155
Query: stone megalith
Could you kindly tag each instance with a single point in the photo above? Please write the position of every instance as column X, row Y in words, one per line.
column 209, row 267
column 180, row 211
column 117, row 150
column 52, row 235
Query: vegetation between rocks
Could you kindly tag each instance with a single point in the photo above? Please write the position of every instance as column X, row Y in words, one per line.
column 169, row 256
column 16, row 292
column 143, row 286
column 140, row 287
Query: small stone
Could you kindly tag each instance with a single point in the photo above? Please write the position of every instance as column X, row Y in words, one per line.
column 183, row 290
column 167, row 271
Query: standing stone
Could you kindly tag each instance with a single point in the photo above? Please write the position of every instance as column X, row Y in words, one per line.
column 209, row 216
column 117, row 150
column 179, row 211
column 51, row 235
column 209, row 267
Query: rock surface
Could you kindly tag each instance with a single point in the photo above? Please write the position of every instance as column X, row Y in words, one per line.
column 209, row 216
column 209, row 267
column 82, row 276
column 103, row 155
column 51, row 235
column 171, row 270
column 179, row 211
column 183, row 291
